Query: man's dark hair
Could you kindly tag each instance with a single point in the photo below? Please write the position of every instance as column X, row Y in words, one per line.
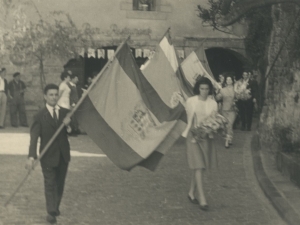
column 63, row 75
column 73, row 76
column 50, row 87
column 16, row 74
column 202, row 80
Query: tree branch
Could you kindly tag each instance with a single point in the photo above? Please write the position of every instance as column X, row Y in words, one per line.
column 239, row 9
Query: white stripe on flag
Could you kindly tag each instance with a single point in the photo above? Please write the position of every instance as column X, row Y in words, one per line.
column 170, row 53
column 192, row 68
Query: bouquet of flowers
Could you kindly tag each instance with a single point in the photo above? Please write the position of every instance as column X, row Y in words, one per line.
column 243, row 95
column 215, row 123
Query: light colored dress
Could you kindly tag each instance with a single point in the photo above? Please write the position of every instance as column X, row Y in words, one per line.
column 201, row 154
column 64, row 92
column 227, row 110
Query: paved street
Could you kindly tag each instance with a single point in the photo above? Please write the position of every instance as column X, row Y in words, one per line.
column 97, row 192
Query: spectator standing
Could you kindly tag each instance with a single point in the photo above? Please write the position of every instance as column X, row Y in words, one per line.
column 89, row 82
column 3, row 96
column 17, row 103
column 74, row 97
column 64, row 91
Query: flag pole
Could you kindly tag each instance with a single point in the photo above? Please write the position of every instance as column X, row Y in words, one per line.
column 168, row 30
column 45, row 149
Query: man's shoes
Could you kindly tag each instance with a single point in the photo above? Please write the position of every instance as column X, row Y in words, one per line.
column 57, row 213
column 243, row 128
column 25, row 125
column 51, row 219
column 73, row 135
column 194, row 201
column 204, row 207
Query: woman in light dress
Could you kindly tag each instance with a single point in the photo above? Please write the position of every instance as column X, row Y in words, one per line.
column 201, row 155
column 64, row 91
column 227, row 95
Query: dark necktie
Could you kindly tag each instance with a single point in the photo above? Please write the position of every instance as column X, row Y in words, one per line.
column 55, row 115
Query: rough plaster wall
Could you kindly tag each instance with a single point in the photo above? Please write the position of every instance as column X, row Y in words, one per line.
column 181, row 17
column 281, row 106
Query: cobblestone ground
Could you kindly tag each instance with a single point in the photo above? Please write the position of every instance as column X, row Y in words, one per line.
column 97, row 192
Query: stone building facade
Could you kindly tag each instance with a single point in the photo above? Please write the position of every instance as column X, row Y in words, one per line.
column 115, row 20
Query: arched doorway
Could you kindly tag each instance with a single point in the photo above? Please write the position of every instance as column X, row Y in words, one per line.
column 222, row 60
column 85, row 67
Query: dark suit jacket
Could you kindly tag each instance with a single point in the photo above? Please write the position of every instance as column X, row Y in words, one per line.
column 253, row 86
column 14, row 88
column 44, row 127
column 5, row 86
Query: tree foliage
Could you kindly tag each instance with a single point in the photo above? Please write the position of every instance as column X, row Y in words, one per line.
column 28, row 42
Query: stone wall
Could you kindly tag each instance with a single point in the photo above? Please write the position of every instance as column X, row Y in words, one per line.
column 281, row 112
column 115, row 20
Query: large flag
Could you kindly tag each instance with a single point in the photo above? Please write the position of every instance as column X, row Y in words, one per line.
column 124, row 115
column 161, row 72
column 193, row 66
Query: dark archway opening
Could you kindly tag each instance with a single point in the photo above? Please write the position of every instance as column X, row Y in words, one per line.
column 223, row 60
column 85, row 67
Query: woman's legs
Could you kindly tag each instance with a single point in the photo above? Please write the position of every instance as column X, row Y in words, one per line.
column 230, row 116
column 193, row 186
column 199, row 184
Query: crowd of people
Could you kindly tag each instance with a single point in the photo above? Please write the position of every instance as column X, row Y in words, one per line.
column 12, row 92
column 235, row 100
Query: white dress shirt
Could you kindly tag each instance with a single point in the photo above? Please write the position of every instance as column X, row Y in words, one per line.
column 2, row 87
column 50, row 109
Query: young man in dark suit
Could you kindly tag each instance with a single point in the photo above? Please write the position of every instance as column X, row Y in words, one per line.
column 55, row 161
column 246, row 107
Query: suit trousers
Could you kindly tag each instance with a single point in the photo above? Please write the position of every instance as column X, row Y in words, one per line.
column 3, row 100
column 246, row 108
column 54, row 182
column 17, row 106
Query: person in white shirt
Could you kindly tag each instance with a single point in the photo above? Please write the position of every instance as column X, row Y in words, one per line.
column 202, row 154
column 74, row 97
column 3, row 96
column 64, row 91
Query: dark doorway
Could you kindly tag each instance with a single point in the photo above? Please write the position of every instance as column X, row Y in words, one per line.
column 223, row 60
column 85, row 67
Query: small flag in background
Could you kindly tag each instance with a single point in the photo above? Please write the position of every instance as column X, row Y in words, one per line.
column 196, row 65
column 125, row 116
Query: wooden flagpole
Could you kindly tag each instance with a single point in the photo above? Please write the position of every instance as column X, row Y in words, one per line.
column 68, row 116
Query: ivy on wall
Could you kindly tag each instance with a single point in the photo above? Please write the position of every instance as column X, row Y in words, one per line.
column 258, row 36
